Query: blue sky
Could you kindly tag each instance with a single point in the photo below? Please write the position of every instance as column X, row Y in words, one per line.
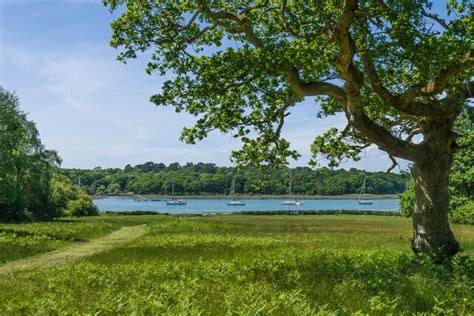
column 95, row 111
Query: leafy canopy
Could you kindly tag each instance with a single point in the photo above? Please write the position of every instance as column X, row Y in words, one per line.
column 241, row 66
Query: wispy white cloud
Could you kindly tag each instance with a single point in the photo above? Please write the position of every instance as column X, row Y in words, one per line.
column 102, row 116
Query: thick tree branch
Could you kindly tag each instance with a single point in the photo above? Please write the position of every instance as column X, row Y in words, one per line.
column 374, row 79
column 438, row 83
column 413, row 134
column 222, row 17
column 347, row 48
column 436, row 18
column 289, row 29
column 303, row 88
column 417, row 108
column 468, row 89
column 394, row 163
column 354, row 81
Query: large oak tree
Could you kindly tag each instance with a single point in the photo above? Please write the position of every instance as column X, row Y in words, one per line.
column 399, row 72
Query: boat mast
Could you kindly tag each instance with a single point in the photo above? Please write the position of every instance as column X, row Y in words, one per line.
column 232, row 188
column 362, row 190
column 289, row 189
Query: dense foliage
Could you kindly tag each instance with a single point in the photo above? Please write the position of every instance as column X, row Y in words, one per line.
column 461, row 180
column 463, row 214
column 69, row 199
column 26, row 167
column 30, row 189
column 253, row 265
column 207, row 178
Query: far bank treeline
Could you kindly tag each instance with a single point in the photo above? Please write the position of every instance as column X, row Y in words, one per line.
column 209, row 179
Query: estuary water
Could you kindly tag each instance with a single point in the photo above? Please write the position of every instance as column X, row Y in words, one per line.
column 200, row 206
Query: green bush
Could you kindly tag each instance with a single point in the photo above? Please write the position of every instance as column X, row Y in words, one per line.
column 407, row 199
column 464, row 214
column 114, row 188
column 69, row 200
column 82, row 206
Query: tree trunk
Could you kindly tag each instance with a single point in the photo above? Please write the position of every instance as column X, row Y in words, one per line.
column 431, row 232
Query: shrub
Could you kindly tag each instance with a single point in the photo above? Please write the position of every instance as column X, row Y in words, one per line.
column 464, row 214
column 82, row 206
column 407, row 199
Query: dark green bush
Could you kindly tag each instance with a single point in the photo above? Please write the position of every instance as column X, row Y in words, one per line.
column 407, row 199
column 82, row 206
column 464, row 214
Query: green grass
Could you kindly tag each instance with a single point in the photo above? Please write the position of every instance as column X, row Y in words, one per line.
column 19, row 241
column 301, row 265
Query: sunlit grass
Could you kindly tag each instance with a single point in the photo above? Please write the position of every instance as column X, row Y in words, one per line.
column 253, row 264
column 28, row 239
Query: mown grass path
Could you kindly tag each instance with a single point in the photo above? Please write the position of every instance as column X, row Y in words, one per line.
column 76, row 251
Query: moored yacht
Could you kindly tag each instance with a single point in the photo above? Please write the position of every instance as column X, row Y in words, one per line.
column 235, row 201
column 290, row 201
column 174, row 201
column 361, row 200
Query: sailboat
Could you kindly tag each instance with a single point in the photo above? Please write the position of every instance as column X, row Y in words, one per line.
column 235, row 201
column 361, row 201
column 174, row 201
column 290, row 201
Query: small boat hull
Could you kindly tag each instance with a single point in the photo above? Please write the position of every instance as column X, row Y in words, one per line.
column 176, row 202
column 235, row 203
column 293, row 203
column 365, row 202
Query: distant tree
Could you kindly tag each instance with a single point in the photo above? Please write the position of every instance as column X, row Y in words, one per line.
column 101, row 190
column 146, row 167
column 174, row 166
column 160, row 166
column 395, row 69
column 113, row 188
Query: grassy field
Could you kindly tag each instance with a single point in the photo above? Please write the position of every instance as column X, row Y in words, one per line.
column 19, row 241
column 229, row 264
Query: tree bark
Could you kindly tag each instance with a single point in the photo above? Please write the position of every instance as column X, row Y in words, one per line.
column 431, row 232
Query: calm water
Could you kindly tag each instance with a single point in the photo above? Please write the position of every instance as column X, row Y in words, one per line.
column 220, row 205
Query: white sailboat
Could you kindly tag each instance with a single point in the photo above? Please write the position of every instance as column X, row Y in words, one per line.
column 174, row 201
column 294, row 202
column 235, row 201
column 361, row 201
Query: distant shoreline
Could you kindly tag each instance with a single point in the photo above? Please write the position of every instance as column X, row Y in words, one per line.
column 255, row 196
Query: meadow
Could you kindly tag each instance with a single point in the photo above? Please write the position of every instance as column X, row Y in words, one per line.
column 242, row 264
